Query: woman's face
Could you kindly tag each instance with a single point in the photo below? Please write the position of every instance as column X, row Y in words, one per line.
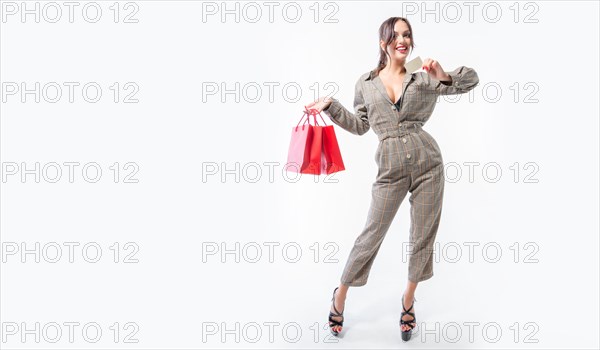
column 400, row 46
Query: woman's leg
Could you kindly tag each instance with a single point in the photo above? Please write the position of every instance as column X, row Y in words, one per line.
column 340, row 301
column 409, row 297
column 427, row 193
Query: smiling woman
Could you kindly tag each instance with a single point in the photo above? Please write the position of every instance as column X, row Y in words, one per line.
column 389, row 34
column 396, row 104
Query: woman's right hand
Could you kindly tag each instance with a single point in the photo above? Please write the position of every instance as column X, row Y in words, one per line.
column 320, row 104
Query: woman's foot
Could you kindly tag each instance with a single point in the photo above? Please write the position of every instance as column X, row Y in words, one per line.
column 336, row 312
column 408, row 300
column 408, row 318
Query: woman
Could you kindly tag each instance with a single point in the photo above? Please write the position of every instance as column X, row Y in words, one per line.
column 396, row 105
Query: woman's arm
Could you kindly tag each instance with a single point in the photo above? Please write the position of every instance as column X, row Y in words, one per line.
column 357, row 123
column 463, row 79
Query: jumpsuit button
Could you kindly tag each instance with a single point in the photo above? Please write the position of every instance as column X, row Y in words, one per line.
column 404, row 139
column 408, row 155
column 394, row 108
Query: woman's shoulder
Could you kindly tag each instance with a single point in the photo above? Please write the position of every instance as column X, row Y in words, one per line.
column 367, row 75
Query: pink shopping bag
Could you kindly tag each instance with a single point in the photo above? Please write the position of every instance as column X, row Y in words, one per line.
column 305, row 153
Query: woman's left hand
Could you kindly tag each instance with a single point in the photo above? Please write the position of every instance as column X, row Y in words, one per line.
column 434, row 69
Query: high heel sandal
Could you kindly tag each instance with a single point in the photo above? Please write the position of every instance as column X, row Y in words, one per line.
column 410, row 323
column 332, row 322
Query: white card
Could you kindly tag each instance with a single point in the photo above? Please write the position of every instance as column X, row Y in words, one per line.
column 413, row 65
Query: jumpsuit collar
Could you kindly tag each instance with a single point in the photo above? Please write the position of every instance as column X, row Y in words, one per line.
column 379, row 84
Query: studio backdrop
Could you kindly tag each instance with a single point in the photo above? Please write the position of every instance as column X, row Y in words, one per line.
column 146, row 200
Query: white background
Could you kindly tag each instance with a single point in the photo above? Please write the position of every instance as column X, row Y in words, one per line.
column 549, row 208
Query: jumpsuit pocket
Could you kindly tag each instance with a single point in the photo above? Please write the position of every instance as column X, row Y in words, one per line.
column 383, row 158
column 390, row 167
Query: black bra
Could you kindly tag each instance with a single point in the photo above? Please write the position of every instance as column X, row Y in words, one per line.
column 398, row 102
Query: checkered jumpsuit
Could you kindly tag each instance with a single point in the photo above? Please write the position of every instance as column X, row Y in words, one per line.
column 408, row 159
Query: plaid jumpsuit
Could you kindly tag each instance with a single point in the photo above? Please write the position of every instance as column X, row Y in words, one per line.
column 408, row 159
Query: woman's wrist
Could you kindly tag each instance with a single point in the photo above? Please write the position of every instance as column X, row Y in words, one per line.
column 330, row 100
column 447, row 80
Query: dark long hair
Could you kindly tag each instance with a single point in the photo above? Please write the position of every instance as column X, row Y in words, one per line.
column 386, row 33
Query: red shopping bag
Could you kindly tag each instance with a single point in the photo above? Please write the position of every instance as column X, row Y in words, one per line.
column 305, row 154
column 314, row 149
column 331, row 149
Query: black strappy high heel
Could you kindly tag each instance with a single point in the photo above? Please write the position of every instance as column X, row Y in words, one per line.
column 332, row 322
column 410, row 323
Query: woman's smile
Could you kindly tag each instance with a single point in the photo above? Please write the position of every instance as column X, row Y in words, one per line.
column 401, row 48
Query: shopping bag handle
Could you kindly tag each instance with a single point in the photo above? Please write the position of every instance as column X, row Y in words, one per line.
column 314, row 113
column 304, row 121
column 308, row 113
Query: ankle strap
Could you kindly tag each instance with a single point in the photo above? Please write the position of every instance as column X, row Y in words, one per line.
column 411, row 306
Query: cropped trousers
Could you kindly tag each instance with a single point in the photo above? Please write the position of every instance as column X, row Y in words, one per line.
column 409, row 160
